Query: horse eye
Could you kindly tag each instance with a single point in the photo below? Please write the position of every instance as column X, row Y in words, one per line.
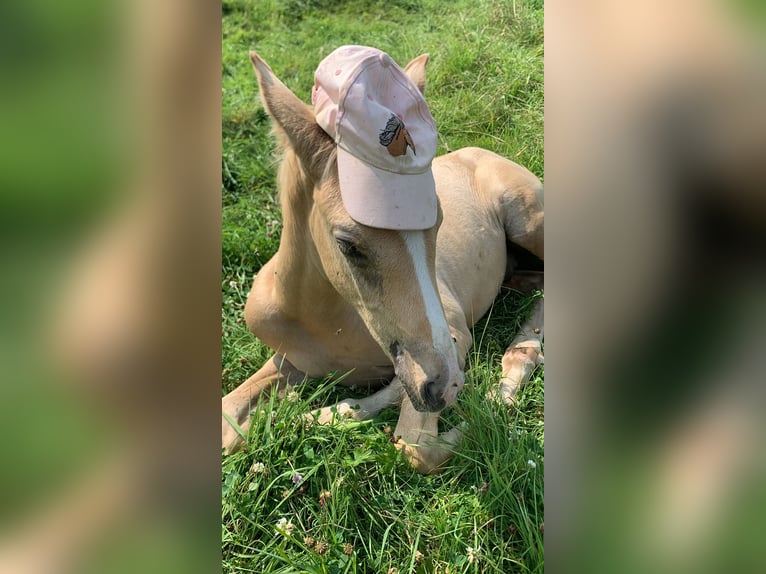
column 348, row 249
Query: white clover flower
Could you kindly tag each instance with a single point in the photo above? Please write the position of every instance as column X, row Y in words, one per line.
column 258, row 468
column 481, row 489
column 233, row 284
column 531, row 463
column 293, row 396
column 473, row 554
column 285, row 526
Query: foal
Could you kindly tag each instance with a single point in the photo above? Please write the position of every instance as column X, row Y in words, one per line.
column 374, row 277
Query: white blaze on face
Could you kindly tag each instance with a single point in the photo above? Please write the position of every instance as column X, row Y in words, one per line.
column 440, row 333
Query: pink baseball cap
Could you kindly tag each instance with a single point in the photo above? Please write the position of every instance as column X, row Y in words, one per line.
column 385, row 135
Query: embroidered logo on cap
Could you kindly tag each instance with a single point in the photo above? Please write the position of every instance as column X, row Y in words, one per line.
column 395, row 137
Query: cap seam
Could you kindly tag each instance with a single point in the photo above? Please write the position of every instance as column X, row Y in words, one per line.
column 361, row 66
column 417, row 98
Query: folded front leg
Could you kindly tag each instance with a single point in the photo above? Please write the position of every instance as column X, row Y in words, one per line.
column 361, row 409
column 277, row 372
column 419, row 440
column 523, row 355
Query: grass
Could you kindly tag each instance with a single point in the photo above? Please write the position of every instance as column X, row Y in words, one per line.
column 359, row 507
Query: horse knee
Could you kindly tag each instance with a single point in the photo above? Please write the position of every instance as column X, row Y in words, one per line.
column 523, row 356
column 518, row 364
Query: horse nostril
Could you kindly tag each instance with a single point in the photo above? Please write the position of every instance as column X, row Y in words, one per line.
column 432, row 396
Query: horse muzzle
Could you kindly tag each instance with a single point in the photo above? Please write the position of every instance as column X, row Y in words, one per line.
column 431, row 381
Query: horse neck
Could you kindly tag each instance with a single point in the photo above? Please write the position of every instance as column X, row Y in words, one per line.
column 300, row 280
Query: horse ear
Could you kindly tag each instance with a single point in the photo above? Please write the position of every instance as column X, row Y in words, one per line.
column 293, row 119
column 416, row 70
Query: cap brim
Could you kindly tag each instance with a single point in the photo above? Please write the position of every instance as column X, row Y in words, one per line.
column 380, row 198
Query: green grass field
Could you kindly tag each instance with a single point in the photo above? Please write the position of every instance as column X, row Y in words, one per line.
column 341, row 499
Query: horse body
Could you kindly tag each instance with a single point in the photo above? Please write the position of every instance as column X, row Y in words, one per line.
column 475, row 187
column 380, row 305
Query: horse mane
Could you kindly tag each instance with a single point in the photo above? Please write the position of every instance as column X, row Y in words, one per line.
column 295, row 192
column 293, row 179
column 305, row 159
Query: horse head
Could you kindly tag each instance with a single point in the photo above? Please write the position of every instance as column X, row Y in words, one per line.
column 386, row 275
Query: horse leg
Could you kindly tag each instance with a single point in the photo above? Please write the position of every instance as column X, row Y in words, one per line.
column 522, row 355
column 419, row 440
column 238, row 404
column 523, row 218
column 360, row 409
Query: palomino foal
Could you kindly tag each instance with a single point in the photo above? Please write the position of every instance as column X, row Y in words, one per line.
column 389, row 307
